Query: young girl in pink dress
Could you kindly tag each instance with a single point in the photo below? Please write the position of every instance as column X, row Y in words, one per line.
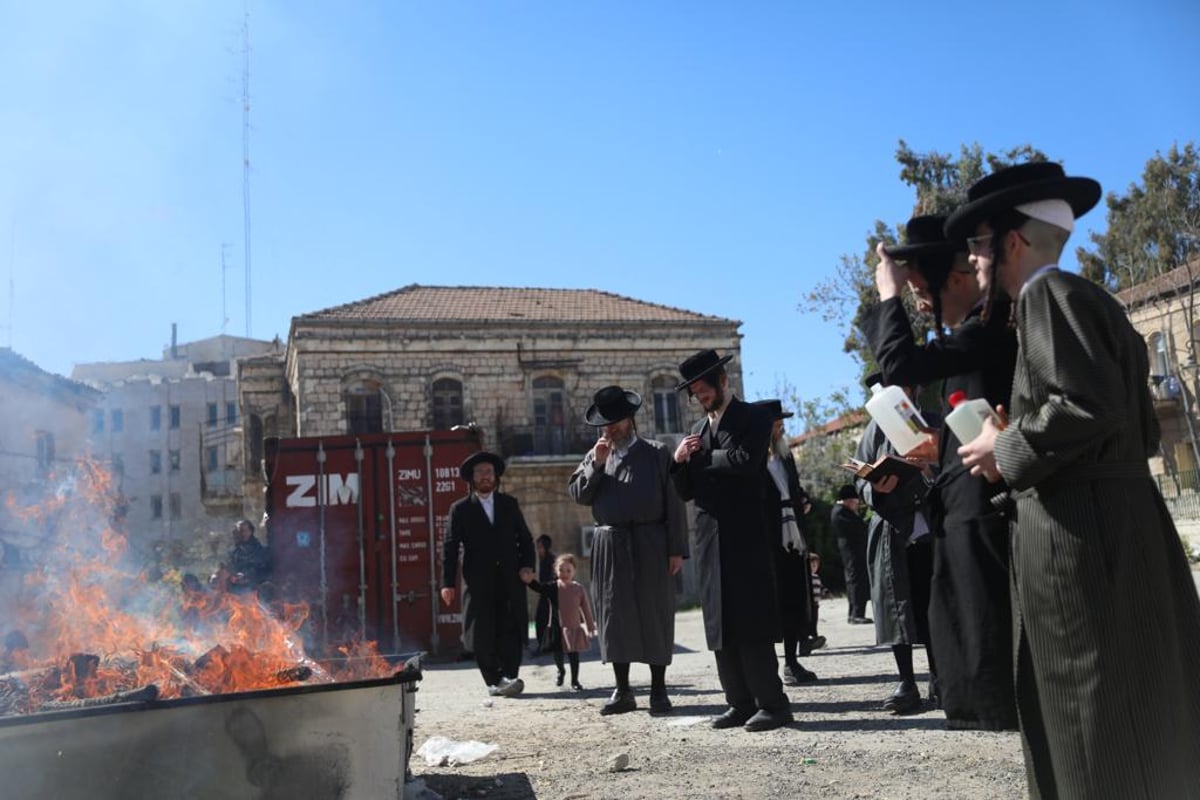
column 571, row 621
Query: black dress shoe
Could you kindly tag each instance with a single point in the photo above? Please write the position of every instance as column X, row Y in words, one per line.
column 733, row 718
column 769, row 720
column 619, row 703
column 906, row 699
column 559, row 680
column 860, row 621
column 659, row 702
column 796, row 675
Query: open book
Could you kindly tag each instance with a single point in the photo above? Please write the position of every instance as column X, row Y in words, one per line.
column 885, row 467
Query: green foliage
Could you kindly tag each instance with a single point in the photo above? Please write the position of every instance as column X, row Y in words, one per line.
column 940, row 182
column 1153, row 227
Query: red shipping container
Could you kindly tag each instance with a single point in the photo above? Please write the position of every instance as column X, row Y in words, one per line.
column 354, row 534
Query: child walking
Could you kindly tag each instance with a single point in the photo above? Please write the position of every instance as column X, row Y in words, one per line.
column 815, row 641
column 570, row 621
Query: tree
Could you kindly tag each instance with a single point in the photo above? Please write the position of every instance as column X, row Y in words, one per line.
column 1152, row 228
column 940, row 181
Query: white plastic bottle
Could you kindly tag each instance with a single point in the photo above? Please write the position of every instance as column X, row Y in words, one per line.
column 897, row 417
column 966, row 418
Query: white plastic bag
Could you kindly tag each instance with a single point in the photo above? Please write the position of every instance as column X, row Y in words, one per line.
column 438, row 751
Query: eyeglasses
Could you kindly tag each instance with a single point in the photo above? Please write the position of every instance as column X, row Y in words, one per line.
column 980, row 245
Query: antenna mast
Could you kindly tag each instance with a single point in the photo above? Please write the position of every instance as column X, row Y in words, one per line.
column 246, row 152
column 224, row 310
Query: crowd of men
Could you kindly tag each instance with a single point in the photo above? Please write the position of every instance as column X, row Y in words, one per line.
column 1037, row 563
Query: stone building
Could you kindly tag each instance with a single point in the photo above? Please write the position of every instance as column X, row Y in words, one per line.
column 44, row 431
column 170, row 428
column 1164, row 311
column 521, row 364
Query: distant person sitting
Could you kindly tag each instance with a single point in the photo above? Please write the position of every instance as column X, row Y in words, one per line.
column 249, row 561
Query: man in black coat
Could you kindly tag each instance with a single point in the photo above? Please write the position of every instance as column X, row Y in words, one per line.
column 851, row 533
column 970, row 619
column 1106, row 614
column 721, row 465
column 787, row 503
column 249, row 560
column 497, row 549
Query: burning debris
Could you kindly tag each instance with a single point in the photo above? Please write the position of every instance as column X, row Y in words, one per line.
column 91, row 630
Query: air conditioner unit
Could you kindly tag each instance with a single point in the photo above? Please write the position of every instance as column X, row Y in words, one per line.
column 586, row 532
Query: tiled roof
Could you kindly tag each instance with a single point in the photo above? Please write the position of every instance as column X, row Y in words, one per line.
column 851, row 419
column 1168, row 283
column 20, row 371
column 508, row 304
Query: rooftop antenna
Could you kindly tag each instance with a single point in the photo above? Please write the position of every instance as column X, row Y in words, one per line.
column 246, row 151
column 224, row 311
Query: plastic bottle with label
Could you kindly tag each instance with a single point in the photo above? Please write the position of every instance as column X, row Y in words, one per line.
column 897, row 417
column 966, row 418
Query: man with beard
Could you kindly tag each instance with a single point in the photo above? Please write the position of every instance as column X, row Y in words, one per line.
column 639, row 545
column 721, row 465
column 249, row 560
column 787, row 503
column 970, row 619
column 489, row 529
column 1107, row 617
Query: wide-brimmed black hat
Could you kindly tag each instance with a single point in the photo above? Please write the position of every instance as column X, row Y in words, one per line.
column 467, row 468
column 847, row 492
column 1016, row 185
column 923, row 236
column 612, row 404
column 697, row 366
column 775, row 408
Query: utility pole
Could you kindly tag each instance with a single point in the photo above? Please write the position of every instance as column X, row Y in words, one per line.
column 246, row 153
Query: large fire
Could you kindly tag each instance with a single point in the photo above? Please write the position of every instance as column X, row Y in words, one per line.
column 88, row 626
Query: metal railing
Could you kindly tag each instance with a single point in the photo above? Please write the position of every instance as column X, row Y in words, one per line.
column 534, row 440
column 1181, row 492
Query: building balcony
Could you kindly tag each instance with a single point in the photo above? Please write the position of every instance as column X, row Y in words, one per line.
column 545, row 440
column 1167, row 393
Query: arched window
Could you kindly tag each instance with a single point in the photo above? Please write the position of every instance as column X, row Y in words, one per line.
column 549, row 416
column 364, row 408
column 447, row 403
column 667, row 418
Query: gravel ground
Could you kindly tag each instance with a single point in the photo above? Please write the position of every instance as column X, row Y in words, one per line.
column 553, row 744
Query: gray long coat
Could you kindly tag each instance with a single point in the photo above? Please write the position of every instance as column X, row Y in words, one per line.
column 892, row 593
column 1107, row 619
column 727, row 479
column 639, row 524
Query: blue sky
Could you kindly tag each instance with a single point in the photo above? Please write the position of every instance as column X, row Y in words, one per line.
column 718, row 157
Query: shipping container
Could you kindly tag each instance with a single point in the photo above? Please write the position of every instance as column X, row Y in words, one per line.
column 355, row 531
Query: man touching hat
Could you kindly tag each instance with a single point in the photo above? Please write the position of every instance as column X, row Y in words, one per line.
column 1107, row 617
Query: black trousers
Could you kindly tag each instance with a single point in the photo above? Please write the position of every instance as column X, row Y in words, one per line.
column 858, row 581
column 501, row 656
column 749, row 675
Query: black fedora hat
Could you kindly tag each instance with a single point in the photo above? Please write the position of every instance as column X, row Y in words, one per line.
column 612, row 404
column 775, row 408
column 467, row 468
column 923, row 236
column 697, row 366
column 874, row 378
column 1016, row 185
column 847, row 492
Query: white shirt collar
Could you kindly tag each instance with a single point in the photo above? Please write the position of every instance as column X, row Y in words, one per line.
column 1037, row 273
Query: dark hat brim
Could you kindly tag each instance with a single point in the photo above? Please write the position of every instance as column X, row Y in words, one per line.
column 467, row 467
column 720, row 362
column 1082, row 194
column 907, row 252
column 596, row 418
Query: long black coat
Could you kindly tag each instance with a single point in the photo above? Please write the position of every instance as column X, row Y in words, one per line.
column 1108, row 621
column 727, row 480
column 970, row 616
column 793, row 578
column 493, row 554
